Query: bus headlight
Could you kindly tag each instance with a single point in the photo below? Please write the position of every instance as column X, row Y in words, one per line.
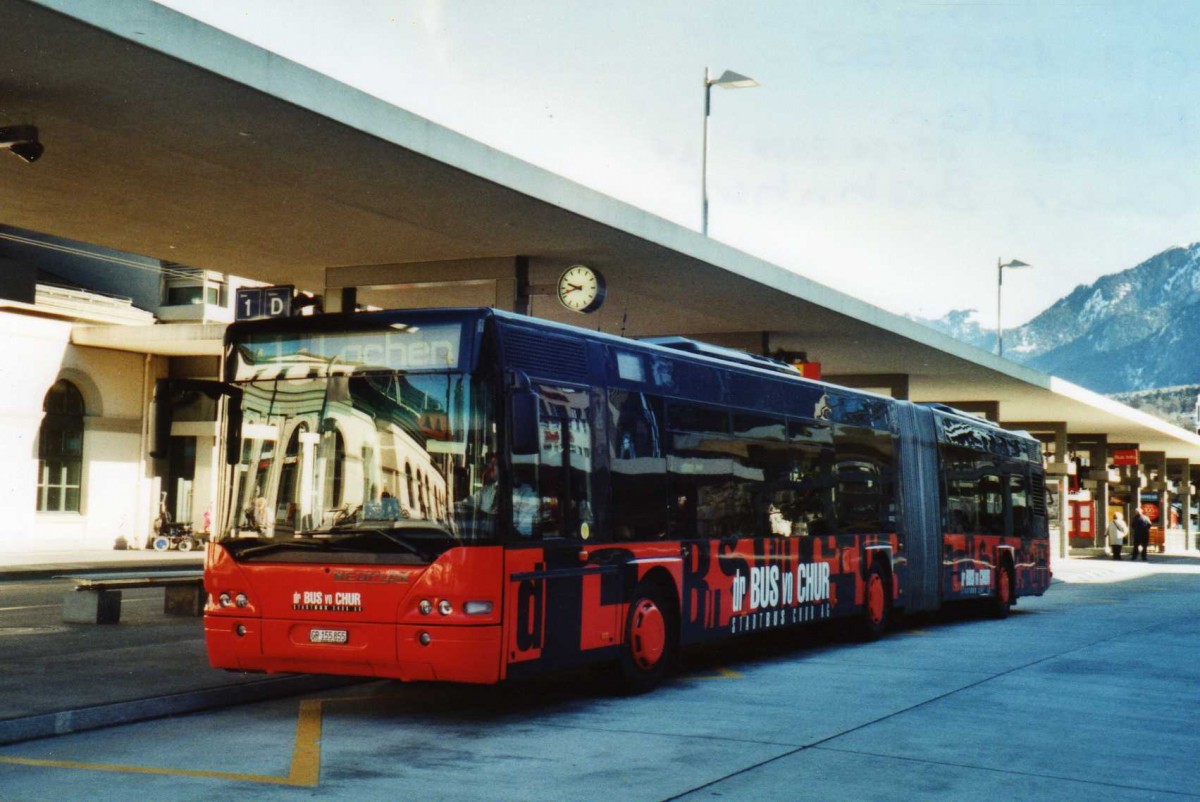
column 241, row 600
column 225, row 599
column 426, row 607
column 445, row 607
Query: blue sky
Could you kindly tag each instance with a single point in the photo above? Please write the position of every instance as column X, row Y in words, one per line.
column 894, row 151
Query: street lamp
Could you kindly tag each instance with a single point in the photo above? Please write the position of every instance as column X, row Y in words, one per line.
column 1000, row 265
column 728, row 80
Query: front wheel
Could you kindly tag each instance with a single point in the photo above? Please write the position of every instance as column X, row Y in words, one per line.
column 161, row 543
column 650, row 640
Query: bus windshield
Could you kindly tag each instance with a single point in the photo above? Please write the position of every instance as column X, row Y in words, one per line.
column 376, row 462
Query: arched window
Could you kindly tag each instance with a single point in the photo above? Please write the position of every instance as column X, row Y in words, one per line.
column 60, row 450
column 287, row 501
column 335, row 469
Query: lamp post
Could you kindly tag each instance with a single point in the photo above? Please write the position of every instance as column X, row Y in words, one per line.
column 1000, row 265
column 728, row 80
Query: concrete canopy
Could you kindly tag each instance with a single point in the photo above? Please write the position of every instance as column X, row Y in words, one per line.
column 167, row 138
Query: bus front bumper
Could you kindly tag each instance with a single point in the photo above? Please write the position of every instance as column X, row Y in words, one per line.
column 395, row 651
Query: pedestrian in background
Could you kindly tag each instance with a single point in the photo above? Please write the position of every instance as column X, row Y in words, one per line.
column 1117, row 530
column 1141, row 534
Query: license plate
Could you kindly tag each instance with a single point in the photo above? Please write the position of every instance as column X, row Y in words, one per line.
column 328, row 636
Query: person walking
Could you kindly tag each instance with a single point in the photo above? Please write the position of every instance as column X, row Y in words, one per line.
column 1117, row 530
column 1140, row 525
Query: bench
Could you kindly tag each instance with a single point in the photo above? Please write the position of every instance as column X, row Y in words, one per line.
column 96, row 598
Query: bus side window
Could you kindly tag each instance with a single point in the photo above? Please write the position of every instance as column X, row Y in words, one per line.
column 712, row 488
column 638, row 466
column 991, row 504
column 1019, row 496
column 564, row 468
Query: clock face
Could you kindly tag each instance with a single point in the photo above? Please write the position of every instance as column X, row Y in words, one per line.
column 581, row 289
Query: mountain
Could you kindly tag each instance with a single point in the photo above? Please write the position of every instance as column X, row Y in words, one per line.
column 1134, row 330
column 1177, row 405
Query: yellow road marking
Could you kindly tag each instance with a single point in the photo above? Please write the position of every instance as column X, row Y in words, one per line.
column 305, row 770
column 720, row 673
column 218, row 775
column 306, row 754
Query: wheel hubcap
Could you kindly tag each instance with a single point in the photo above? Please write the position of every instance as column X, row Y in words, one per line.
column 647, row 634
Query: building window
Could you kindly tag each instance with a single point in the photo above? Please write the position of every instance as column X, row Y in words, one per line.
column 60, row 450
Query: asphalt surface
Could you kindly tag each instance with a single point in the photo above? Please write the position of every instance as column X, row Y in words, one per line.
column 58, row 678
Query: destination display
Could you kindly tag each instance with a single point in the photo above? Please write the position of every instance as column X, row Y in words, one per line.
column 398, row 348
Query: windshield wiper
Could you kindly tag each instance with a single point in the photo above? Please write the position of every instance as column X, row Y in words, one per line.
column 267, row 548
column 344, row 537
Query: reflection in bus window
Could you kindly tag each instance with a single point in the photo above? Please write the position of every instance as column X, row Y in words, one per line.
column 638, row 466
column 991, row 505
column 561, row 479
column 289, row 487
column 712, row 486
column 1020, row 505
column 364, row 451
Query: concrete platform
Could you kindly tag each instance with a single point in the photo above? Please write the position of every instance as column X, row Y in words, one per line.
column 58, row 677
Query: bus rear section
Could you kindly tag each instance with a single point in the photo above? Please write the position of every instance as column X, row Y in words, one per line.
column 277, row 611
column 975, row 509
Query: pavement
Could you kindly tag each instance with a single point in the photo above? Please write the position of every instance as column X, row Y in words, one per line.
column 58, row 678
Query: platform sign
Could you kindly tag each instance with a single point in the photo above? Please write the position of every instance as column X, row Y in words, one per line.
column 258, row 302
column 1125, row 456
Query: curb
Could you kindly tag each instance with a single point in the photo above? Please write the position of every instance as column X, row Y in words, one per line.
column 66, row 722
column 18, row 573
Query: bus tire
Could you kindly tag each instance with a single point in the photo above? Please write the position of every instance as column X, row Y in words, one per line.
column 1003, row 598
column 876, row 605
column 650, row 640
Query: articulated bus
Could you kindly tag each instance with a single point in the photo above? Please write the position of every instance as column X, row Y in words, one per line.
column 469, row 495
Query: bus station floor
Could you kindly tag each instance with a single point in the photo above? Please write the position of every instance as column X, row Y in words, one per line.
column 58, row 678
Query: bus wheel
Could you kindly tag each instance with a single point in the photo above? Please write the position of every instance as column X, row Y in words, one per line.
column 1002, row 601
column 649, row 640
column 875, row 606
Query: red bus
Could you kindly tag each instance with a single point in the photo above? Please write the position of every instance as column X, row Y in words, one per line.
column 470, row 495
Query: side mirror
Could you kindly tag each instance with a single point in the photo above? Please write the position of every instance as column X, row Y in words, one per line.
column 165, row 392
column 233, row 425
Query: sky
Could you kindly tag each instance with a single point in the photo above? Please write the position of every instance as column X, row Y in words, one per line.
column 896, row 151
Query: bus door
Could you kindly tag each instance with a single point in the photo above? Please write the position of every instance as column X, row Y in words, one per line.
column 563, row 590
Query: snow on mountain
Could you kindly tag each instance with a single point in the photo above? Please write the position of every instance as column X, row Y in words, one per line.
column 1133, row 330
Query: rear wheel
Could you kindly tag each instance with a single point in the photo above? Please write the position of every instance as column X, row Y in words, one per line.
column 1002, row 600
column 876, row 605
column 650, row 640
